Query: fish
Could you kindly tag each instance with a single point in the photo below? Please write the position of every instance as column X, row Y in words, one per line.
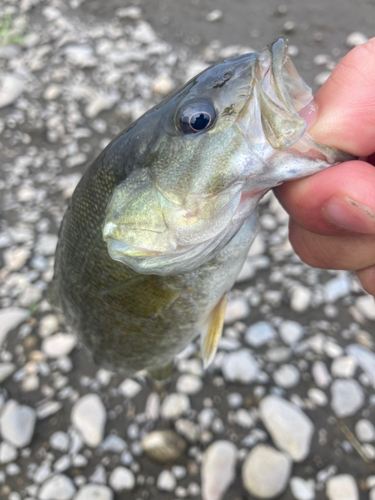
column 159, row 226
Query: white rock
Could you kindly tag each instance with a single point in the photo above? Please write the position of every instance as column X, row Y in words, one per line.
column 59, row 487
column 48, row 325
column 10, row 318
column 300, row 299
column 166, row 481
column 174, row 405
column 81, row 56
column 8, row 452
column 342, row 487
column 347, row 397
column 163, row 84
column 366, row 306
column 60, row 344
column 122, row 479
column 52, row 92
column 344, row 366
column 89, row 416
column 59, row 441
column 365, row 431
column 371, row 495
column 321, row 375
column 15, row 258
column 239, row 366
column 302, row 489
column 218, row 469
column 260, row 333
column 6, row 369
column 265, row 472
column 11, row 87
column 337, row 288
column 322, row 77
column 189, row 384
column 317, row 396
column 47, row 409
column 291, row 331
column 94, row 492
column 214, row 15
column 129, row 388
column 17, row 423
column 356, row 38
column 144, row 33
column 237, row 309
column 131, row 12
column 290, row 429
column 99, row 475
column 46, row 244
column 286, row 376
column 152, row 408
column 365, row 359
column 114, row 443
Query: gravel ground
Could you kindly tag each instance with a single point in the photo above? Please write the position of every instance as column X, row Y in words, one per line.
column 287, row 409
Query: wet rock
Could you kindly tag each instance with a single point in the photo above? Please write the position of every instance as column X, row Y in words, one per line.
column 239, row 366
column 321, row 375
column 300, row 299
column 122, row 479
column 302, row 489
column 218, row 469
column 343, row 366
column 365, row 431
column 59, row 487
column 60, row 344
column 114, row 444
column 11, row 87
column 290, row 429
column 59, row 441
column 10, row 318
column 189, row 384
column 174, row 405
column 89, row 417
column 129, row 388
column 94, row 492
column 17, row 423
column 8, row 452
column 291, row 332
column 347, row 397
column 166, row 481
column 236, row 309
column 342, row 487
column 260, row 333
column 286, row 376
column 266, row 471
column 47, row 409
column 163, row 446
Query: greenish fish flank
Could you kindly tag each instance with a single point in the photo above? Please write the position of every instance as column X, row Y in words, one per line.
column 159, row 226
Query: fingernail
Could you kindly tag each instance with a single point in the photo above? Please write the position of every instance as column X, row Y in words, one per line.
column 309, row 113
column 349, row 215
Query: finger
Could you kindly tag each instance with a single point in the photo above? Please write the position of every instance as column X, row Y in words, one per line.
column 344, row 108
column 337, row 201
column 367, row 278
column 350, row 253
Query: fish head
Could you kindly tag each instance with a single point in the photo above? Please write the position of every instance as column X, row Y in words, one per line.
column 208, row 154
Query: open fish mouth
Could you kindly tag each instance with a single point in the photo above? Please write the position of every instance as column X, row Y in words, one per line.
column 163, row 237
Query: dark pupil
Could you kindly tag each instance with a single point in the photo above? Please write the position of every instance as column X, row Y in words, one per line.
column 199, row 121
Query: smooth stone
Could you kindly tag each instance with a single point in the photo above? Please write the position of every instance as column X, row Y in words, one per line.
column 6, row 369
column 129, row 388
column 321, row 374
column 89, row 417
column 174, row 405
column 15, row 258
column 59, row 441
column 10, row 318
column 365, row 359
column 302, row 489
column 291, row 331
column 166, row 481
column 122, row 479
column 342, row 487
column 336, row 288
column 366, row 306
column 114, row 443
column 286, row 376
column 218, row 469
column 317, row 396
column 59, row 344
column 163, row 446
column 239, row 366
column 48, row 325
column 94, row 492
column 187, row 429
column 152, row 407
column 17, row 423
column 237, row 309
column 11, row 87
column 58, row 487
column 266, row 471
column 290, row 429
column 300, row 299
column 347, row 397
column 8, row 452
column 163, row 84
column 189, row 384
column 344, row 366
column 356, row 38
column 260, row 333
column 46, row 244
column 365, row 431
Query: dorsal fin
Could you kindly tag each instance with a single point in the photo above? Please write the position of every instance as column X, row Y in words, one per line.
column 211, row 336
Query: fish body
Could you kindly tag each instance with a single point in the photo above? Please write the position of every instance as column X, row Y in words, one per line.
column 158, row 228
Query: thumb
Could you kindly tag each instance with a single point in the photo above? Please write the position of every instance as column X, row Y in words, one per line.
column 343, row 111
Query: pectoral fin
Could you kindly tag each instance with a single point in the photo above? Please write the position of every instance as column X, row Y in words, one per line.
column 211, row 336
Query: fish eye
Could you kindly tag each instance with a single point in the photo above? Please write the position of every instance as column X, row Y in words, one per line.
column 196, row 117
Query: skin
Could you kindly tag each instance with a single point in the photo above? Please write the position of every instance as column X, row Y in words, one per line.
column 332, row 213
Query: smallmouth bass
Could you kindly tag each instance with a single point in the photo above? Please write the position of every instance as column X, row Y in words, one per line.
column 159, row 226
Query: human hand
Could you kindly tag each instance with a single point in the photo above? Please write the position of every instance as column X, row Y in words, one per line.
column 332, row 223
